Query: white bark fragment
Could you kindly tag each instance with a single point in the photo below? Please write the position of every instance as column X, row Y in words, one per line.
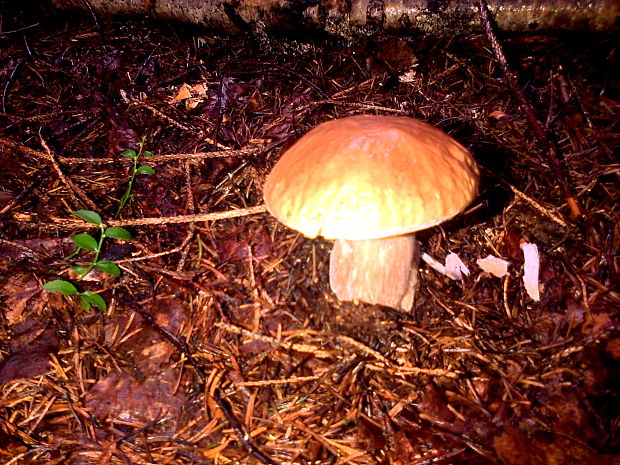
column 531, row 270
column 453, row 269
column 434, row 264
column 496, row 266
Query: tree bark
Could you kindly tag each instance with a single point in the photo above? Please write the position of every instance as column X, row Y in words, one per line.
column 355, row 18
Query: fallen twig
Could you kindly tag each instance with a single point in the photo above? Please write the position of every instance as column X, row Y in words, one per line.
column 78, row 195
column 554, row 216
column 548, row 146
column 71, row 223
column 252, row 150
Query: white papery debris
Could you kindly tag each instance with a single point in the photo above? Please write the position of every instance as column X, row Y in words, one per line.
column 434, row 264
column 453, row 269
column 496, row 266
column 531, row 270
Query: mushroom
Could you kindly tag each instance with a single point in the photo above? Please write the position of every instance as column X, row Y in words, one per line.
column 369, row 182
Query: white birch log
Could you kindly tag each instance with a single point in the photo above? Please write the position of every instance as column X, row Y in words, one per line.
column 354, row 18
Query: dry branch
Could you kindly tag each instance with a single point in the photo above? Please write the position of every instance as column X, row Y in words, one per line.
column 163, row 158
column 71, row 223
column 364, row 17
column 549, row 148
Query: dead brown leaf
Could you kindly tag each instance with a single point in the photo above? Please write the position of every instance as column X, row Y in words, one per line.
column 136, row 396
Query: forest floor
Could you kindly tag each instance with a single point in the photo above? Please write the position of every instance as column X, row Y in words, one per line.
column 220, row 341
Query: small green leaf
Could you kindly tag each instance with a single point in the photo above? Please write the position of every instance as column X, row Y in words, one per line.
column 86, row 241
column 108, row 267
column 95, row 299
column 84, row 302
column 90, row 216
column 116, row 232
column 148, row 154
column 62, row 286
column 128, row 153
column 79, row 270
column 145, row 169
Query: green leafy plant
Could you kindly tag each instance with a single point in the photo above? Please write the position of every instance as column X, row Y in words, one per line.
column 137, row 169
column 85, row 241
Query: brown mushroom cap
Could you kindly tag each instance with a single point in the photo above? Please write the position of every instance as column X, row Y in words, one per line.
column 368, row 177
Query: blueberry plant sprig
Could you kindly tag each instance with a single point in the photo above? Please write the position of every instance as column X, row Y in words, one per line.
column 142, row 169
column 85, row 241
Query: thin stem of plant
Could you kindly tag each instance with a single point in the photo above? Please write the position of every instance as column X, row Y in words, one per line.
column 97, row 253
column 127, row 194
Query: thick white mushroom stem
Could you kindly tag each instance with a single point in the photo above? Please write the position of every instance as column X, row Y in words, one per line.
column 377, row 271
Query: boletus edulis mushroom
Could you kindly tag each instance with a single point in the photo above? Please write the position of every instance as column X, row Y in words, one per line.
column 369, row 182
